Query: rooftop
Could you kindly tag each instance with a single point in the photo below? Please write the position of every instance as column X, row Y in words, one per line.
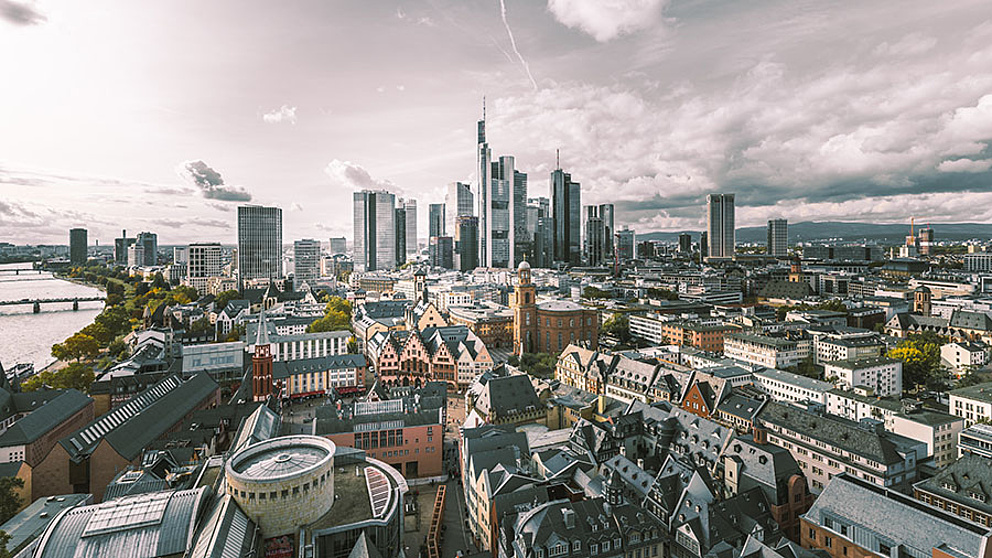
column 978, row 392
column 794, row 379
column 280, row 458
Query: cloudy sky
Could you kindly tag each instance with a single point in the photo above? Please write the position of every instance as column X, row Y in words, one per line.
column 164, row 116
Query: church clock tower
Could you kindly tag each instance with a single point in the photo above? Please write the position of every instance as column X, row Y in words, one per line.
column 524, row 313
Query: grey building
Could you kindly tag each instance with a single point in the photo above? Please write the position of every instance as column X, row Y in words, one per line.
column 77, row 246
column 441, row 252
column 120, row 248
column 435, row 220
column 685, row 243
column 778, row 237
column 338, row 245
column 467, row 243
column 595, row 239
column 483, row 168
column 606, row 213
column 400, row 229
column 203, row 262
column 544, row 249
column 518, row 218
column 458, row 202
column 410, row 212
column 625, row 244
column 375, row 230
column 566, row 212
column 704, row 245
column 259, row 242
column 500, row 236
column 306, row 261
column 720, row 225
column 149, row 245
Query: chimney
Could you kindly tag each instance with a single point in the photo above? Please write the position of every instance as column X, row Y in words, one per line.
column 568, row 516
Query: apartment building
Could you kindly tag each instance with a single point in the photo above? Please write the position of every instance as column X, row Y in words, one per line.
column 964, row 488
column 302, row 345
column 976, row 440
column 832, row 346
column 765, row 350
column 791, row 388
column 882, row 375
column 973, row 403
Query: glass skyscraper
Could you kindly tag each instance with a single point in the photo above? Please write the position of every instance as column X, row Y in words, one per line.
column 720, row 225
column 778, row 237
column 566, row 211
column 306, row 262
column 375, row 230
column 259, row 242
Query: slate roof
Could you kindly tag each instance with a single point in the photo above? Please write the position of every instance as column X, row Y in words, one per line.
column 966, row 319
column 768, row 466
column 32, row 521
column 967, row 481
column 56, row 407
column 285, row 368
column 741, row 406
column 785, row 289
column 503, row 396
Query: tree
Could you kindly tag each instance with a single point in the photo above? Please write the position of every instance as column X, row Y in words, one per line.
column 99, row 332
column 619, row 327
column 76, row 347
column 159, row 282
column 541, row 365
column 10, row 501
column 4, row 541
column 337, row 317
column 115, row 319
column 201, row 326
column 117, row 348
column 223, row 298
column 141, row 289
column 74, row 376
column 594, row 292
column 662, row 294
column 920, row 356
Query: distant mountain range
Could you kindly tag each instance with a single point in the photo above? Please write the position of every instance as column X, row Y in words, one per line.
column 838, row 231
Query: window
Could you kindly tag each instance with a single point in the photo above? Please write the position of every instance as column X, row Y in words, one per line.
column 593, row 549
column 812, row 534
column 576, row 546
column 828, row 542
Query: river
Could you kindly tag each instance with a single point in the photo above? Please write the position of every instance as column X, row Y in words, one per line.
column 26, row 337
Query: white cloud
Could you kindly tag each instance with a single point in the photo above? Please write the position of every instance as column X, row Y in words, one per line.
column 605, row 20
column 354, row 177
column 913, row 44
column 284, row 113
column 964, row 165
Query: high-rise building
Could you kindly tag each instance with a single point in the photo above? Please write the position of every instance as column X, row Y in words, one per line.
column 499, row 238
column 704, row 245
column 606, row 213
column 441, row 252
column 458, row 202
column 410, row 212
column 685, row 243
column 926, row 241
column 375, row 230
column 467, row 243
column 625, row 244
column 595, row 239
column 778, row 237
column 120, row 248
column 78, row 246
column 721, row 227
column 204, row 262
column 544, row 243
column 518, row 218
column 399, row 223
column 339, row 245
column 149, row 244
column 566, row 212
column 306, row 262
column 180, row 263
column 484, row 169
column 136, row 255
column 435, row 220
column 259, row 242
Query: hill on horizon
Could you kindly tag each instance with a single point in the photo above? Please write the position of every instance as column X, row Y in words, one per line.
column 808, row 231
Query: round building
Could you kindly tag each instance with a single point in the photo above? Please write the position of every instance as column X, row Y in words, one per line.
column 283, row 483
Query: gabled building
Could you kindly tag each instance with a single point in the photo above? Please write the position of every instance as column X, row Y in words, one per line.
column 450, row 354
column 963, row 488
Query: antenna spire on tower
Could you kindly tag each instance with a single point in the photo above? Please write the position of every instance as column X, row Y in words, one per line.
column 483, row 108
column 558, row 158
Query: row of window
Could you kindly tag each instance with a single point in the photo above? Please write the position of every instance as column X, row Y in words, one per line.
column 284, row 493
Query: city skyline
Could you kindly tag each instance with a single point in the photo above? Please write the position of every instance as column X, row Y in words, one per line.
column 807, row 111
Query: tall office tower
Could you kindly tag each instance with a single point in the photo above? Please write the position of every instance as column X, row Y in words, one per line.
column 926, row 241
column 77, row 246
column 435, row 219
column 458, row 202
column 259, row 242
column 136, row 255
column 566, row 212
column 625, row 244
column 149, row 243
column 180, row 263
column 441, row 252
column 467, row 243
column 778, row 237
column 120, row 248
column 339, row 245
column 484, row 169
column 606, row 213
column 375, row 230
column 306, row 262
column 704, row 245
column 720, row 224
column 595, row 239
column 410, row 209
column 685, row 243
column 544, row 243
column 518, row 218
column 204, row 262
column 500, row 237
column 400, row 228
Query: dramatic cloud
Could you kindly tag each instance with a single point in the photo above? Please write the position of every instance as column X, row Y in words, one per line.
column 964, row 165
column 354, row 177
column 210, row 182
column 20, row 13
column 605, row 20
column 284, row 113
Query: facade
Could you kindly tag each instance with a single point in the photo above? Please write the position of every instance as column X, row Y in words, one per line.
column 962, row 488
column 765, row 350
column 976, row 440
column 338, row 245
column 962, row 356
column 300, row 346
column 410, row 229
column 566, row 215
column 882, row 375
column 483, row 169
column 451, row 354
column 707, row 337
column 120, row 248
column 458, row 202
column 685, row 243
column 435, row 220
column 595, row 238
column 149, row 244
column 789, row 387
column 78, row 246
column 399, row 221
column 550, row 326
column 973, row 403
column 607, row 212
column 720, row 226
column 778, row 237
column 467, row 243
column 492, row 323
column 375, row 230
column 259, row 242
column 624, row 249
column 306, row 262
column 441, row 252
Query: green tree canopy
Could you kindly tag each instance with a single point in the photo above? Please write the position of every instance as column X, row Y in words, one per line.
column 337, row 317
column 618, row 326
column 74, row 376
column 223, row 298
column 10, row 502
column 920, row 356
column 77, row 347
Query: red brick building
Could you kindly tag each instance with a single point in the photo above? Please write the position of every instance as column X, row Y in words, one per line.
column 550, row 326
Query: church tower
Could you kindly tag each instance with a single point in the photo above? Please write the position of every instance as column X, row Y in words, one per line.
column 921, row 300
column 524, row 313
column 261, row 363
column 796, row 270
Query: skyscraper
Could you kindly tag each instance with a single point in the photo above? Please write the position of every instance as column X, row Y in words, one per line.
column 339, row 245
column 410, row 210
column 259, row 242
column 500, row 236
column 566, row 212
column 120, row 248
column 458, row 202
column 78, row 246
column 625, row 244
column 441, row 252
column 720, row 225
column 375, row 230
column 136, row 255
column 606, row 212
column 399, row 223
column 149, row 243
column 518, row 218
column 544, row 242
column 483, row 168
column 704, row 245
column 204, row 262
column 467, row 243
column 685, row 243
column 306, row 262
column 926, row 241
column 595, row 236
column 435, row 220
column 778, row 237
